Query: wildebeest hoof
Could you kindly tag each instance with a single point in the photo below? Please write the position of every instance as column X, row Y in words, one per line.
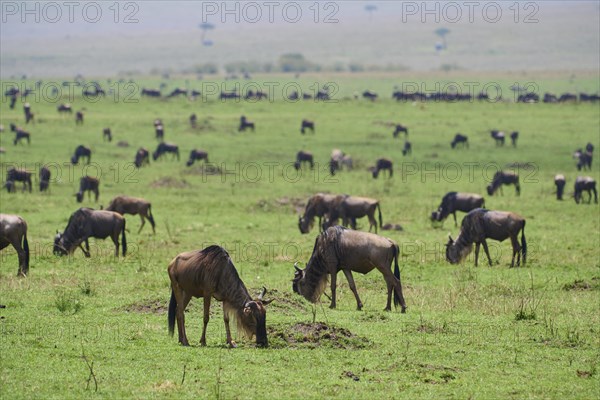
column 332, row 306
column 403, row 310
column 186, row 344
column 387, row 309
column 232, row 345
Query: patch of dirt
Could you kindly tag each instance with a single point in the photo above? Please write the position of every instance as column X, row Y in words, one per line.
column 314, row 335
column 584, row 374
column 169, row 182
column 122, row 143
column 350, row 374
column 580, row 284
column 376, row 135
column 295, row 204
column 203, row 169
column 392, row 227
column 148, row 307
column 517, row 165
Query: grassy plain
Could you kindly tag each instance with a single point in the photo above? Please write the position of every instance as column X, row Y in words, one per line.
column 469, row 332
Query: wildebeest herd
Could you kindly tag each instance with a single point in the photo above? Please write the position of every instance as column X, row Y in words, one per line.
column 210, row 273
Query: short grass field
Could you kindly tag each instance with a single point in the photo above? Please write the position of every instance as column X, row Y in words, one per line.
column 96, row 327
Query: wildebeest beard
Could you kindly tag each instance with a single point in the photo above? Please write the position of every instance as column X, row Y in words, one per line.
column 311, row 282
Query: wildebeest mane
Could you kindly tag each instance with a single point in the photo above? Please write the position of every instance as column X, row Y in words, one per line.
column 315, row 274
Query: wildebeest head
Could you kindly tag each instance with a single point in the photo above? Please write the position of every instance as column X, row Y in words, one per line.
column 79, row 196
column 73, row 160
column 189, row 162
column 155, row 155
column 490, row 190
column 254, row 319
column 304, row 225
column 455, row 252
column 298, row 275
column 59, row 248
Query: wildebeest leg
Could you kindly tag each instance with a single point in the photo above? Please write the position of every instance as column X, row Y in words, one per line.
column 487, row 252
column 476, row 252
column 97, row 193
column 455, row 222
column 16, row 243
column 205, row 319
column 87, row 245
column 516, row 251
column 333, row 284
column 143, row 222
column 350, row 279
column 392, row 284
column 183, row 300
column 372, row 221
column 230, row 341
column 115, row 239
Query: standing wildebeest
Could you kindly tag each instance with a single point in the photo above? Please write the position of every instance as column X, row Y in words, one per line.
column 481, row 224
column 164, row 148
column 44, row 178
column 79, row 118
column 197, row 155
column 13, row 230
column 318, row 205
column 20, row 134
column 133, row 205
column 407, row 148
column 584, row 159
column 89, row 184
column 306, row 124
column 65, row 108
column 19, row 175
column 304, row 156
column 210, row 273
column 142, row 156
column 560, row 182
column 504, row 178
column 193, row 120
column 589, row 185
column 28, row 114
column 10, row 186
column 352, row 207
column 244, row 123
column 369, row 94
column 513, row 138
column 382, row 164
column 338, row 249
column 456, row 201
column 159, row 132
column 81, row 152
column 86, row 223
column 107, row 134
column 400, row 129
column 589, row 147
column 460, row 139
column 498, row 136
column 337, row 160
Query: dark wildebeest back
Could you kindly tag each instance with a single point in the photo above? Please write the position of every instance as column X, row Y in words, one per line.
column 456, row 201
column 13, row 230
column 588, row 184
column 88, row 184
column 342, row 249
column 481, row 224
column 504, row 178
column 86, row 223
column 81, row 152
column 318, row 205
column 210, row 273
column 304, row 157
column 352, row 207
column 382, row 164
column 142, row 156
column 400, row 129
column 164, row 148
column 44, row 179
column 197, row 155
column 133, row 205
column 460, row 139
column 560, row 182
column 19, row 175
column 306, row 124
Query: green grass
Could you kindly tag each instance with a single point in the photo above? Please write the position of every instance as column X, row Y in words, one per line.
column 469, row 332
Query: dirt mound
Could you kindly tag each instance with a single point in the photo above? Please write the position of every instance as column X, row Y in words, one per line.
column 203, row 169
column 295, row 204
column 314, row 335
column 169, row 182
column 148, row 307
column 580, row 284
column 392, row 227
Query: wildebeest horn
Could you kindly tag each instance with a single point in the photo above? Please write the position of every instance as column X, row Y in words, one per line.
column 264, row 291
column 296, row 267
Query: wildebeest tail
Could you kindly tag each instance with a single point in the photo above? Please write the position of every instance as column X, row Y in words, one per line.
column 379, row 210
column 123, row 239
column 523, row 244
column 150, row 217
column 397, row 300
column 172, row 312
column 26, row 248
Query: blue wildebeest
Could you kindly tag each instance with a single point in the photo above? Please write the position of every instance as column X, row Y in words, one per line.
column 13, row 231
column 407, row 149
column 304, row 157
column 460, row 139
column 79, row 118
column 88, row 184
column 197, row 155
column 588, row 184
column 65, row 108
column 20, row 134
column 481, row 224
column 343, row 249
column 19, row 175
column 338, row 160
column 457, row 201
column 352, row 207
column 107, row 134
column 44, row 178
column 164, row 148
column 210, row 273
column 133, row 206
column 504, row 178
column 382, row 164
column 513, row 138
column 245, row 124
column 498, row 136
column 142, row 156
column 319, row 206
column 560, row 182
column 306, row 124
column 86, row 223
column 400, row 129
column 81, row 152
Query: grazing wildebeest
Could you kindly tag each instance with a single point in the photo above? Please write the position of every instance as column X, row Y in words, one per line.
column 229, row 95
column 338, row 249
column 159, row 132
column 306, row 124
column 456, row 201
column 177, row 92
column 133, row 205
column 498, row 136
column 142, row 156
column 210, row 273
column 589, row 147
column 20, row 134
column 81, row 152
column 107, row 134
column 382, row 164
column 65, row 108
column 504, row 178
column 304, row 156
column 13, row 230
column 481, row 224
column 197, row 155
column 560, row 182
column 88, row 184
column 193, row 120
column 29, row 116
column 584, row 159
column 400, row 129
column 164, row 148
column 513, row 138
column 460, row 139
column 79, row 118
column 319, row 206
column 407, row 148
column 244, row 123
column 588, row 184
column 44, row 178
column 369, row 94
column 86, row 223
column 10, row 186
column 352, row 207
column 151, row 92
column 338, row 160
column 19, row 175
